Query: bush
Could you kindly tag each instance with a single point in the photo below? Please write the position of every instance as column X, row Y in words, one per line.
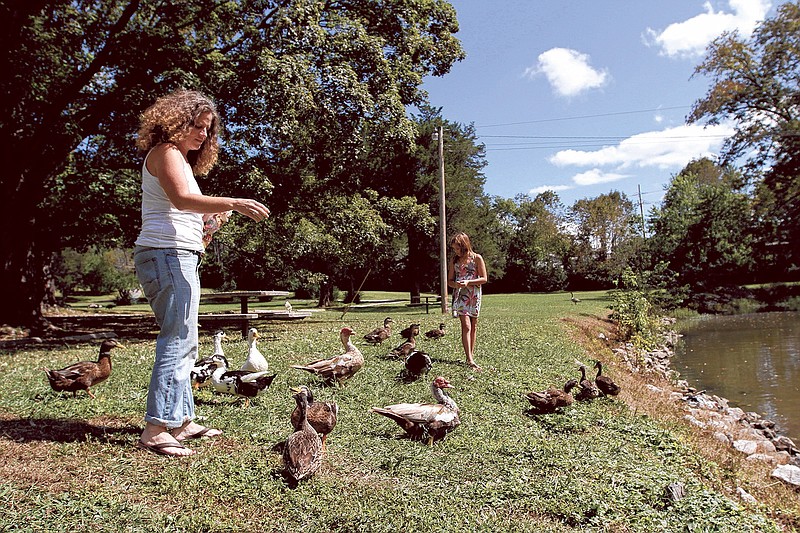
column 633, row 312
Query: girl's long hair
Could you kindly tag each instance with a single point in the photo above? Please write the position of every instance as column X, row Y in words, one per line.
column 462, row 240
column 171, row 118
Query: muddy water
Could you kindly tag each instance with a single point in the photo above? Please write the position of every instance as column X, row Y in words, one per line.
column 752, row 360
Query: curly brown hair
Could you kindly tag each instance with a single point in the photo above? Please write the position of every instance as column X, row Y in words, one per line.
column 170, row 119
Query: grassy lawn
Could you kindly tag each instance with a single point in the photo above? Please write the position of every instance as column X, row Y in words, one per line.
column 70, row 464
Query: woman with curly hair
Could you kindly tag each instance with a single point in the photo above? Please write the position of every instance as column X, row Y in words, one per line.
column 178, row 135
column 466, row 273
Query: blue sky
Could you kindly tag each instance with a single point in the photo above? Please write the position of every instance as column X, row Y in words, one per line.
column 585, row 97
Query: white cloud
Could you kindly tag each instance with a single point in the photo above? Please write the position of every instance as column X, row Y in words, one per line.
column 545, row 188
column 690, row 37
column 668, row 148
column 568, row 72
column 595, row 176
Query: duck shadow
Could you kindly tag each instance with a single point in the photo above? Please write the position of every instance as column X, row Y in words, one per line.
column 64, row 430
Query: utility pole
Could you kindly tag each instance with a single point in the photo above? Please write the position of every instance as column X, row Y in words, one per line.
column 641, row 210
column 442, row 224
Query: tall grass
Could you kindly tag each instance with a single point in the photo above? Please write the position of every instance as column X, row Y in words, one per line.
column 70, row 464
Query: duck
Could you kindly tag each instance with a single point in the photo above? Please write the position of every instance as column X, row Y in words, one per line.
column 548, row 401
column 340, row 367
column 239, row 383
column 436, row 333
column 426, row 421
column 573, row 299
column 405, row 347
column 588, row 390
column 303, row 452
column 321, row 415
column 416, row 364
column 288, row 306
column 255, row 362
column 411, row 331
column 605, row 383
column 203, row 368
column 83, row 374
column 378, row 335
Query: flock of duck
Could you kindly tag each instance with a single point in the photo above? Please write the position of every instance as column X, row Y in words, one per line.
column 313, row 420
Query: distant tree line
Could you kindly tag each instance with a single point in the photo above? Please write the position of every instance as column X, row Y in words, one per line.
column 315, row 98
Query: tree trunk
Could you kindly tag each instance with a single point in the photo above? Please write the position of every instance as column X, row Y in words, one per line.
column 325, row 294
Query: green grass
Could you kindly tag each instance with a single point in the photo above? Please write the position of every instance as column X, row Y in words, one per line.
column 70, row 464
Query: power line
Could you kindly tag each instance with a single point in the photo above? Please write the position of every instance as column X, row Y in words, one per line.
column 583, row 116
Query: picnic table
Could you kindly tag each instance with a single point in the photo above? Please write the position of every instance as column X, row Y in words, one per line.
column 244, row 316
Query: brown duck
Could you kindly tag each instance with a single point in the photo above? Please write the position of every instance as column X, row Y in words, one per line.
column 588, row 390
column 605, row 383
column 85, row 374
column 339, row 367
column 321, row 415
column 436, row 333
column 302, row 455
column 378, row 335
column 548, row 401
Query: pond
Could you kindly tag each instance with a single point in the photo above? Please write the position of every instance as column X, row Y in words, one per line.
column 752, row 360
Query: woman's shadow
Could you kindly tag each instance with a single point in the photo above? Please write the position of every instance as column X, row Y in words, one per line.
column 65, row 430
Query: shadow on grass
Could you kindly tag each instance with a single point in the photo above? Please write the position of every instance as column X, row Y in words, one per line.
column 65, row 430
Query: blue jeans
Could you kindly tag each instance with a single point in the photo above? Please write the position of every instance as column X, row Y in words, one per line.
column 170, row 280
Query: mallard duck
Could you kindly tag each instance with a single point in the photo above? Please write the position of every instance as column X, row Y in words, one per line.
column 404, row 348
column 378, row 335
column 255, row 361
column 321, row 415
column 426, row 421
column 605, row 383
column 203, row 368
column 436, row 333
column 548, row 401
column 416, row 364
column 411, row 331
column 573, row 299
column 84, row 374
column 239, row 383
column 340, row 367
column 588, row 390
column 303, row 452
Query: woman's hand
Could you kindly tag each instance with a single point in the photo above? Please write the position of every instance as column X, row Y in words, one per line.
column 252, row 209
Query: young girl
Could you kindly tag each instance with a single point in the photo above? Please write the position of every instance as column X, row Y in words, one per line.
column 466, row 273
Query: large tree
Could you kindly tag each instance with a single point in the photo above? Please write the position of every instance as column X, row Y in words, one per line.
column 756, row 85
column 702, row 230
column 297, row 82
column 605, row 238
column 535, row 244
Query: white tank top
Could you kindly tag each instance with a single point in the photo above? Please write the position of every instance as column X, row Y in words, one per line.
column 163, row 225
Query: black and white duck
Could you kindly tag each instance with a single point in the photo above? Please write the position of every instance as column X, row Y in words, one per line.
column 416, row 364
column 239, row 383
column 203, row 368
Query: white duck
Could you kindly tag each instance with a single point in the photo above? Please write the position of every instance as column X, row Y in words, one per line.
column 339, row 367
column 255, row 362
column 426, row 421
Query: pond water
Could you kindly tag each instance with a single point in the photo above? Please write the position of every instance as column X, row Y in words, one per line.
column 752, row 360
